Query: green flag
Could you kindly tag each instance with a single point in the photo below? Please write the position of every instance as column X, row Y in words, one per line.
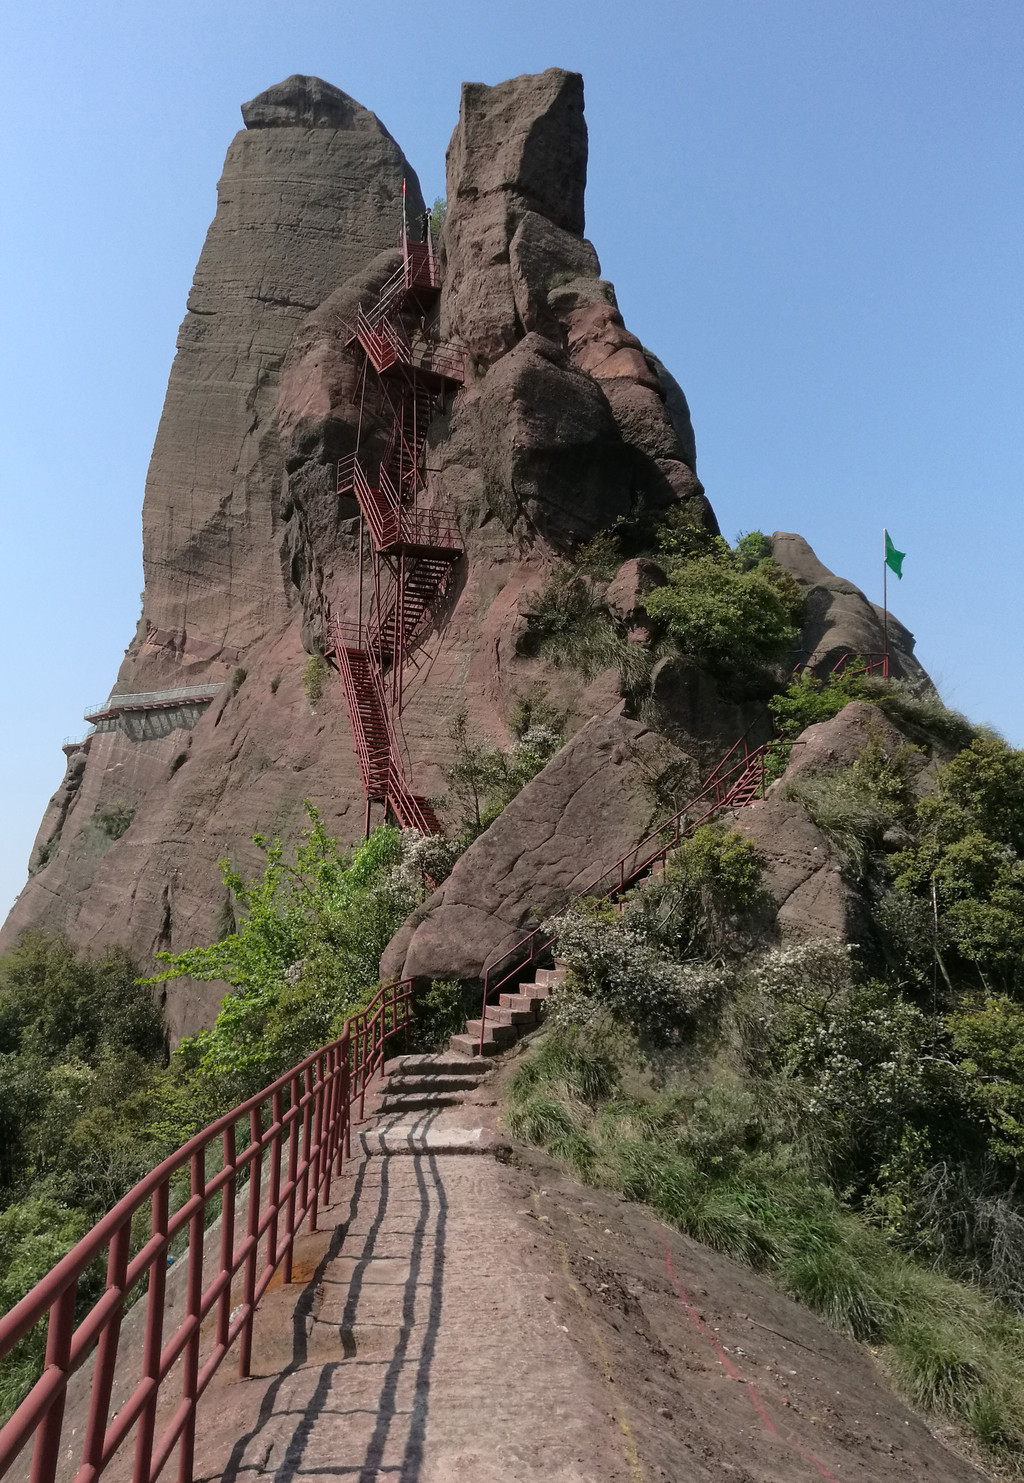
column 893, row 558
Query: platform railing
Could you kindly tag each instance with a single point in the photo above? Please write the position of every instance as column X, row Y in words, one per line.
column 277, row 1154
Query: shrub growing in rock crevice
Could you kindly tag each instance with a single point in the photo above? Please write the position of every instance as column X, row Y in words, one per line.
column 314, row 677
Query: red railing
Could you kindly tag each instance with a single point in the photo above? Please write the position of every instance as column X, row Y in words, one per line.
column 391, row 523
column 852, row 664
column 738, row 779
column 297, row 1132
column 380, row 768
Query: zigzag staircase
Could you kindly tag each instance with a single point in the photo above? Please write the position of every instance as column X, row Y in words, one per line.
column 413, row 545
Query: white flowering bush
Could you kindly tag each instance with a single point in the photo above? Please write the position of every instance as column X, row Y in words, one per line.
column 860, row 1051
column 426, row 860
column 616, row 966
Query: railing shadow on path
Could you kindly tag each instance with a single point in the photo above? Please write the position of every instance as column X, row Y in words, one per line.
column 301, row 1434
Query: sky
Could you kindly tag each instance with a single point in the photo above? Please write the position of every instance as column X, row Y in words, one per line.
column 812, row 211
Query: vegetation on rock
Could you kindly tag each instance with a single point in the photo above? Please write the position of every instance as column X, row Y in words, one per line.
column 314, row 677
column 859, row 1138
column 88, row 1100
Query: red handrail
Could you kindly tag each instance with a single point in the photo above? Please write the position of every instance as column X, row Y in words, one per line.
column 720, row 788
column 299, row 1130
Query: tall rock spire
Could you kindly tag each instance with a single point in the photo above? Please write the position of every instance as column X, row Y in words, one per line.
column 311, row 191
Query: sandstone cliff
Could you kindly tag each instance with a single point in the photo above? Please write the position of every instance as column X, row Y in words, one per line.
column 564, row 423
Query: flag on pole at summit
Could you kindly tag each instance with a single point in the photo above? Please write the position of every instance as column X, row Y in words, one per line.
column 893, row 558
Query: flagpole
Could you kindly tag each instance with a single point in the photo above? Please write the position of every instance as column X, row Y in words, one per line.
column 885, row 608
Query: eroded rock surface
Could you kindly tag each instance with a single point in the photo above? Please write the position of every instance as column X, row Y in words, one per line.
column 590, row 805
column 839, row 741
column 840, row 619
column 811, row 896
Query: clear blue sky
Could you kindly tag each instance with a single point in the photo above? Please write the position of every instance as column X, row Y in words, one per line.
column 812, row 211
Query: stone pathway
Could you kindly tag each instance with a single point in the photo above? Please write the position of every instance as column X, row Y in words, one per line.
column 423, row 1339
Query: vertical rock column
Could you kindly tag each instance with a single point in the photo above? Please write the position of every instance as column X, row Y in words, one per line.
column 311, row 191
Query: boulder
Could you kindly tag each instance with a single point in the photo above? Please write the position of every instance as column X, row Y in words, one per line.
column 549, row 446
column 839, row 618
column 810, row 895
column 839, row 741
column 706, row 713
column 542, row 256
column 678, row 410
column 590, row 805
column 630, row 585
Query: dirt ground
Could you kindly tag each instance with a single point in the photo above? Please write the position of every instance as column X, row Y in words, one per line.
column 712, row 1373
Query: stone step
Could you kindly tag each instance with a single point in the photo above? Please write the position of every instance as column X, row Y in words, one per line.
column 436, row 1063
column 419, row 1101
column 550, row 975
column 501, row 1034
column 537, row 991
column 504, row 1014
column 531, row 1002
column 401, row 1086
column 469, row 1045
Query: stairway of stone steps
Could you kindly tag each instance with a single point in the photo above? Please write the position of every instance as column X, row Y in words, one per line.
column 438, row 1103
column 511, row 1017
column 426, row 1082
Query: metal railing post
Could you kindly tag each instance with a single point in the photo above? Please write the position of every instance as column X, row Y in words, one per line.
column 106, row 1358
column 59, row 1329
column 193, row 1306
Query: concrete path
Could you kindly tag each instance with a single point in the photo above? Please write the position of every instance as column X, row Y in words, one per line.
column 423, row 1340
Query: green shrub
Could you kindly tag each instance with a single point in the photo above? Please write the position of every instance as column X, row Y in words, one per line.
column 237, row 680
column 709, row 881
column 440, row 1013
column 569, row 624
column 965, row 862
column 305, row 954
column 114, row 819
column 483, row 779
column 720, row 614
column 314, row 677
column 808, row 700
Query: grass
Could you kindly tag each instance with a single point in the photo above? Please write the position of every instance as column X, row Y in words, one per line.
column 570, row 625
column 716, row 1157
column 850, row 819
column 314, row 677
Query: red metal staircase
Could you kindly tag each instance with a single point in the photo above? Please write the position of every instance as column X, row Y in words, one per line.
column 413, row 545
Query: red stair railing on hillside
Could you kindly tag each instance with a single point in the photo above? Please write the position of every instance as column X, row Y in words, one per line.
column 413, row 546
column 376, row 742
column 295, row 1136
column 737, row 780
column 852, row 664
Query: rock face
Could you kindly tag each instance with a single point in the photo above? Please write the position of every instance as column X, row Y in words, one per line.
column 590, row 806
column 311, row 192
column 839, row 741
column 564, row 423
column 805, row 882
column 840, row 620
